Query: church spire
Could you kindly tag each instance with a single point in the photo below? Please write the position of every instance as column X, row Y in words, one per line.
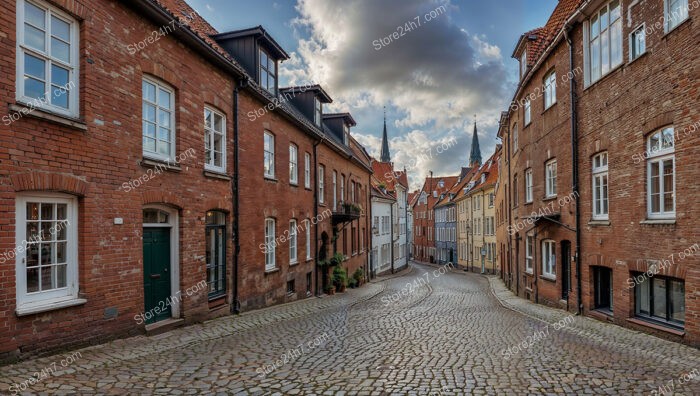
column 385, row 156
column 475, row 156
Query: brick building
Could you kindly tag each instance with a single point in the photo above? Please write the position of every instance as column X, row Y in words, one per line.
column 105, row 232
column 628, row 162
column 424, row 216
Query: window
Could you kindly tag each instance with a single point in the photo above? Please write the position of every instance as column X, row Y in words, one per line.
column 661, row 175
column 307, row 170
column 676, row 12
column 317, row 111
column 638, row 43
column 293, row 164
column 605, row 40
column 660, row 298
column 290, row 287
column 528, row 186
column 47, row 263
column 600, row 186
column 529, row 249
column 549, row 260
column 293, row 242
column 550, row 90
column 216, row 253
column 528, row 112
column 47, row 52
column 352, row 191
column 214, row 140
column 308, row 240
column 342, row 188
column 515, row 138
column 270, row 245
column 515, row 190
column 268, row 72
column 158, row 120
column 551, row 178
column 602, row 278
column 335, row 190
column 321, row 184
column 346, row 134
column 269, row 160
column 523, row 64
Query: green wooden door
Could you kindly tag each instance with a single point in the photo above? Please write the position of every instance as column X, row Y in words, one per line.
column 156, row 273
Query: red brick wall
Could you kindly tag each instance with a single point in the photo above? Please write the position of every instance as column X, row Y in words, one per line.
column 93, row 164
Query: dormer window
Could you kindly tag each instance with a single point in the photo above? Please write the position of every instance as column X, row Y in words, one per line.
column 268, row 72
column 523, row 64
column 346, row 134
column 317, row 111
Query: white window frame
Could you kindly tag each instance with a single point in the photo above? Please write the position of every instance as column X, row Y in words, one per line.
column 550, row 175
column 550, row 89
column 318, row 111
column 527, row 110
column 293, row 238
column 346, row 134
column 73, row 66
column 342, row 187
column 270, row 172
column 56, row 298
column 293, row 164
column 335, row 190
column 549, row 259
column 160, row 85
column 657, row 156
column 321, row 184
column 308, row 239
column 528, row 186
column 523, row 64
column 211, row 131
column 604, row 67
column 601, row 188
column 307, row 170
column 669, row 24
column 515, row 138
column 640, row 30
column 270, row 245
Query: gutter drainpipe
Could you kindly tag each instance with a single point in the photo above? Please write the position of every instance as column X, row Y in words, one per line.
column 235, row 307
column 575, row 175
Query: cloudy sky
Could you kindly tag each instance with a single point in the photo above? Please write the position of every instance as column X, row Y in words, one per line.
column 452, row 61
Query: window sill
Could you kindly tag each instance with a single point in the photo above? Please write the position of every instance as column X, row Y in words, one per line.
column 272, row 271
column 656, row 326
column 271, row 179
column 640, row 56
column 294, row 263
column 552, row 198
column 605, row 76
column 34, row 308
column 658, row 222
column 47, row 115
column 673, row 29
column 308, row 260
column 217, row 175
column 547, row 278
column 294, row 184
column 529, row 273
column 599, row 223
column 156, row 163
column 553, row 105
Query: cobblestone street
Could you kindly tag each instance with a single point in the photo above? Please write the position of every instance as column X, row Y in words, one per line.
column 445, row 334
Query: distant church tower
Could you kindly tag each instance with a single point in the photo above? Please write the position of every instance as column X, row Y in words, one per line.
column 475, row 156
column 385, row 156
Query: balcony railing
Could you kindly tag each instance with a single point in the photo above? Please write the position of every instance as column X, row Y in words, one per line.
column 346, row 212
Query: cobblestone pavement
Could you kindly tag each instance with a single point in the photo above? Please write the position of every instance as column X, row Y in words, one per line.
column 422, row 333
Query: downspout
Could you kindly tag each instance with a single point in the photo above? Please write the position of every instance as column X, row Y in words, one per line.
column 575, row 175
column 315, row 191
column 510, row 218
column 483, row 230
column 235, row 196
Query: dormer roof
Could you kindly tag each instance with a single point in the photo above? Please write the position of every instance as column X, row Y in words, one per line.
column 264, row 39
column 346, row 116
column 317, row 89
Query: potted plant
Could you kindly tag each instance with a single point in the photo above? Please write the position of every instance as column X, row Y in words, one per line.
column 352, row 283
column 340, row 279
column 359, row 277
column 330, row 290
column 337, row 259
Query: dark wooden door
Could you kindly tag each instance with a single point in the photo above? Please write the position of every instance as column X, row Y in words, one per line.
column 156, row 273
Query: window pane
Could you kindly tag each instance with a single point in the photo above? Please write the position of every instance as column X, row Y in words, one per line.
column 668, row 186
column 32, row 280
column 59, row 96
column 34, row 38
column 35, row 15
column 61, row 275
column 163, row 118
column 164, row 134
column 605, row 52
column 164, row 99
column 642, row 298
column 47, row 211
column 659, row 292
column 149, row 91
column 595, row 59
column 60, row 29
column 47, row 278
column 218, row 123
column 60, row 50
column 677, row 305
column 35, row 67
column 149, row 144
column 655, row 187
column 616, row 43
column 605, row 194
column 59, row 76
